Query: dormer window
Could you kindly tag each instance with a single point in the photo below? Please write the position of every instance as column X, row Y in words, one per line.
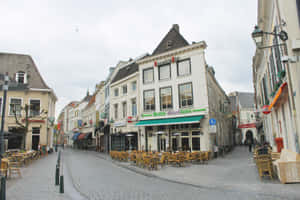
column 169, row 44
column 21, row 77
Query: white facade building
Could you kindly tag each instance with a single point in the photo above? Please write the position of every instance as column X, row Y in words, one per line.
column 178, row 93
column 124, row 108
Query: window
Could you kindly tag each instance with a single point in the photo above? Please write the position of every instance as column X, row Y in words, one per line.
column 164, row 72
column 124, row 89
column 185, row 95
column 149, row 100
column 34, row 107
column 148, row 75
column 133, row 107
column 124, row 109
column 196, row 143
column 116, row 111
column 265, row 90
column 166, row 98
column 169, row 44
column 133, row 84
column 116, row 92
column 35, row 130
column 15, row 106
column 0, row 105
column 184, row 67
column 20, row 77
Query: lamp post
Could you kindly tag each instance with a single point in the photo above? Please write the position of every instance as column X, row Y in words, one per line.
column 258, row 37
column 3, row 178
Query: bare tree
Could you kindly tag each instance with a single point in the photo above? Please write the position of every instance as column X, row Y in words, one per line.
column 23, row 123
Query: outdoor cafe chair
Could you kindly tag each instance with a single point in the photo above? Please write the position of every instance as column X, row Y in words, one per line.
column 4, row 167
column 14, row 168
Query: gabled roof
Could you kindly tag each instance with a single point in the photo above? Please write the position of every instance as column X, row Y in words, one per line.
column 13, row 63
column 172, row 40
column 126, row 71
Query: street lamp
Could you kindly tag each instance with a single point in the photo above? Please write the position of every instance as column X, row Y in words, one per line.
column 258, row 36
column 3, row 178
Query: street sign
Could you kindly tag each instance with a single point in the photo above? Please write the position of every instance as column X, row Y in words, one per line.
column 212, row 121
column 212, row 129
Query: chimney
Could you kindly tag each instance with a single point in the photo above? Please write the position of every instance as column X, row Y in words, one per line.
column 176, row 27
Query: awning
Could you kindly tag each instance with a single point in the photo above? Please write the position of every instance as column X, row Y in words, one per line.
column 75, row 136
column 280, row 96
column 169, row 121
column 81, row 136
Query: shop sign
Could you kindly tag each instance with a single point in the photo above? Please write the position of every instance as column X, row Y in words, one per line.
column 172, row 112
column 212, row 129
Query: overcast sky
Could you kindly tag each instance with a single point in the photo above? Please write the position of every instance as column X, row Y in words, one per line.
column 74, row 42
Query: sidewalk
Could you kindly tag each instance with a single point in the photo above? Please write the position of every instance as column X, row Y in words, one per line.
column 236, row 172
column 38, row 182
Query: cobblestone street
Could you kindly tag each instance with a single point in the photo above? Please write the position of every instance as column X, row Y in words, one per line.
column 89, row 176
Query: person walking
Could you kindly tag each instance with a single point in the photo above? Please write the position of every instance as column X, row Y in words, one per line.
column 250, row 143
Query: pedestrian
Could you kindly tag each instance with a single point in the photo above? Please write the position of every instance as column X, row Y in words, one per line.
column 216, row 151
column 250, row 145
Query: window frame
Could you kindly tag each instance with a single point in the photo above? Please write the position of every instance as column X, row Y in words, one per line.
column 18, row 77
column 132, row 113
column 148, row 69
column 124, row 86
column 36, row 133
column 189, row 106
column 124, row 114
column 163, row 65
column 144, row 105
column 30, row 107
column 132, row 84
column 116, row 90
column 190, row 66
column 9, row 112
column 116, row 112
column 160, row 99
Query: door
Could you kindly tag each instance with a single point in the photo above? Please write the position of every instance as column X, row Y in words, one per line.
column 174, row 144
column 185, row 144
column 35, row 142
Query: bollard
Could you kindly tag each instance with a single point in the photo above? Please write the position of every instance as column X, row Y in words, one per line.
column 61, row 188
column 3, row 188
column 57, row 175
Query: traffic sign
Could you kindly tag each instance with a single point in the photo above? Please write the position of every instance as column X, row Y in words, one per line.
column 212, row 129
column 212, row 121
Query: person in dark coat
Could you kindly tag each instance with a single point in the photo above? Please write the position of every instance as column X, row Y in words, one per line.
column 250, row 143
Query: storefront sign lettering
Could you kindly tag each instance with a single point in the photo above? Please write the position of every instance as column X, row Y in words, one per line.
column 173, row 112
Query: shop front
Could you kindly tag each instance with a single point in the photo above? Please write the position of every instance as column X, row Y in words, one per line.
column 124, row 141
column 173, row 134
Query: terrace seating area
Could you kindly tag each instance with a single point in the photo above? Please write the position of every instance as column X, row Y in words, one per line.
column 285, row 164
column 157, row 160
column 14, row 160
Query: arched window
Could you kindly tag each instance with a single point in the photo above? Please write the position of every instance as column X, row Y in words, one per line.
column 21, row 77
